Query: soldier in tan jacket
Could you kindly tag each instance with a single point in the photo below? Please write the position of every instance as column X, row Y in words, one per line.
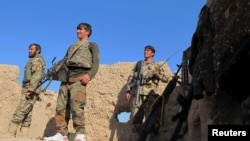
column 145, row 92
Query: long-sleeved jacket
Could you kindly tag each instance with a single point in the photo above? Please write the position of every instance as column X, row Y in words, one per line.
column 148, row 82
column 34, row 71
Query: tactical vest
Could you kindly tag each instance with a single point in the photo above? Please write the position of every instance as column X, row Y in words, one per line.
column 81, row 58
column 28, row 71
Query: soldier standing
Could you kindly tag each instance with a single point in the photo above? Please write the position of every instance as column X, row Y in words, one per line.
column 150, row 74
column 33, row 74
column 82, row 63
column 217, row 39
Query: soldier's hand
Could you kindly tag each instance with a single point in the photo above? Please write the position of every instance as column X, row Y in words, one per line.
column 156, row 73
column 27, row 95
column 128, row 96
column 85, row 79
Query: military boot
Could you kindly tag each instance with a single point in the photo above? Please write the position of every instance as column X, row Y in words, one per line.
column 12, row 130
column 24, row 132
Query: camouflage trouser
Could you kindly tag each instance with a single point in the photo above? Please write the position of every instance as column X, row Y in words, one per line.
column 23, row 113
column 143, row 112
column 74, row 96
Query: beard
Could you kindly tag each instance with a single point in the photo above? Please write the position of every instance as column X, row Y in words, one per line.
column 32, row 55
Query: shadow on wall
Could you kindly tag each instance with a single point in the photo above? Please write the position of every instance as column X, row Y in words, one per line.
column 50, row 129
column 120, row 120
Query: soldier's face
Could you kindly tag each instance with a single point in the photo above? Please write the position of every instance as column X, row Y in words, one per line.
column 148, row 53
column 82, row 33
column 32, row 51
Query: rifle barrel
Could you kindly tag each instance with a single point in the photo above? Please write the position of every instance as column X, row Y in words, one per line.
column 177, row 129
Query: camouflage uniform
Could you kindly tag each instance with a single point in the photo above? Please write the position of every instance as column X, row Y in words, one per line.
column 34, row 71
column 203, row 80
column 148, row 90
column 72, row 94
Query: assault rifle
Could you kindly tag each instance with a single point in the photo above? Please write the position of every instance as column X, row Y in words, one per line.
column 57, row 72
column 158, row 105
column 138, row 83
column 184, row 100
column 181, row 116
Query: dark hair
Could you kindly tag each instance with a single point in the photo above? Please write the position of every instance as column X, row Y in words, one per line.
column 86, row 26
column 38, row 47
column 150, row 47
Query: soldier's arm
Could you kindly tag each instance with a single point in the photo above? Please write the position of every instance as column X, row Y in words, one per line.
column 96, row 61
column 161, row 75
column 129, row 86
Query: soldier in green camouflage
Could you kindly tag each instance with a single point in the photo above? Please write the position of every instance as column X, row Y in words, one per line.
column 152, row 73
column 82, row 63
column 33, row 74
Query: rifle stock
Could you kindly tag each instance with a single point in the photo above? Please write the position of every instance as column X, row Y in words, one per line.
column 181, row 116
column 177, row 130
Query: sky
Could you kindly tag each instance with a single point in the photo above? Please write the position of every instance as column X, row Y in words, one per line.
column 121, row 28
